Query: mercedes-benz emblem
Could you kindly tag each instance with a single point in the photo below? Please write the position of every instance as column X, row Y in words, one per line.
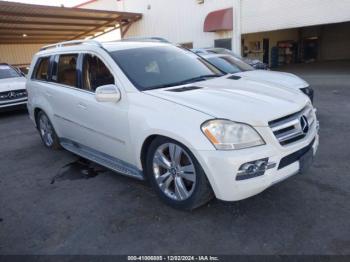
column 11, row 95
column 304, row 124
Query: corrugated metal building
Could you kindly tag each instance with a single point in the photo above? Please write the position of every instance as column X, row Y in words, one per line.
column 275, row 31
column 19, row 55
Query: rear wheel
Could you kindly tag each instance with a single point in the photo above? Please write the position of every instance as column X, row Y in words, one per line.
column 47, row 132
column 176, row 175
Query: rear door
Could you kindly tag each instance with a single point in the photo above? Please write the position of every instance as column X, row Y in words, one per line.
column 64, row 93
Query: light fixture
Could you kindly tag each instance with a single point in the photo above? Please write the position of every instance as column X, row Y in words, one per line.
column 254, row 169
column 24, row 35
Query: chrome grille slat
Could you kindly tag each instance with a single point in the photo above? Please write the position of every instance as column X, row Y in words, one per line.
column 285, row 125
column 13, row 95
column 289, row 135
column 289, row 129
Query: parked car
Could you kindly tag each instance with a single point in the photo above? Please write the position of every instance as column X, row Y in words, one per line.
column 12, row 88
column 231, row 65
column 159, row 112
column 255, row 63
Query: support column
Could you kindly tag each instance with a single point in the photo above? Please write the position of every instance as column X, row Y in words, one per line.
column 236, row 33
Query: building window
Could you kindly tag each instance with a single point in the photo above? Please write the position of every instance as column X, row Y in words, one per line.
column 188, row 45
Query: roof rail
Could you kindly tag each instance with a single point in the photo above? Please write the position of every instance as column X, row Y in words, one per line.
column 69, row 43
column 147, row 39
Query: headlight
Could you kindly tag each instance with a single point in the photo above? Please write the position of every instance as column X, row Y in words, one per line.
column 228, row 135
column 306, row 90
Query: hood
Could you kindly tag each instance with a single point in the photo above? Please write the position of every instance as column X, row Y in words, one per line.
column 252, row 61
column 10, row 84
column 280, row 78
column 243, row 100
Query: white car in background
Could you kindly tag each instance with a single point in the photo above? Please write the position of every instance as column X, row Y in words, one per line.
column 12, row 88
column 159, row 112
column 232, row 65
column 255, row 63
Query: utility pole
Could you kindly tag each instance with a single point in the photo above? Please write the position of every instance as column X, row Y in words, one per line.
column 236, row 32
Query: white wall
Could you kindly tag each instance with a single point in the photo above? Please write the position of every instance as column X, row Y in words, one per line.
column 179, row 21
column 268, row 15
column 109, row 5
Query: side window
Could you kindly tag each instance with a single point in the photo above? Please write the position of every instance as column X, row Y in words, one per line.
column 42, row 69
column 67, row 70
column 95, row 73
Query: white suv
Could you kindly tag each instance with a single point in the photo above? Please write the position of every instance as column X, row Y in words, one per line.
column 158, row 112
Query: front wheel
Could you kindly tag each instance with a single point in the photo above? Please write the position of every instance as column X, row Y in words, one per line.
column 176, row 175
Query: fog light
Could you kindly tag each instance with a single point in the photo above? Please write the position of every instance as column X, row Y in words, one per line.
column 254, row 169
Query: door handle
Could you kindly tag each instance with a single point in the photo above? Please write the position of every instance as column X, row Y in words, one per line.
column 81, row 105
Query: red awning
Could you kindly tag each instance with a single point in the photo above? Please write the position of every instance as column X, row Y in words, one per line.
column 219, row 20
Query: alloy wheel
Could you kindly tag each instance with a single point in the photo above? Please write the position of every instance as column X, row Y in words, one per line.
column 46, row 130
column 174, row 171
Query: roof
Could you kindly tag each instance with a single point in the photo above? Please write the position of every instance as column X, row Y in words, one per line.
column 85, row 45
column 29, row 24
column 219, row 20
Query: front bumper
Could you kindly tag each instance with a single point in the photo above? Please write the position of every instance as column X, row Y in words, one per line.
column 222, row 167
column 10, row 104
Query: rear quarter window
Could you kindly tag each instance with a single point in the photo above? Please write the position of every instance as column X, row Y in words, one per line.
column 41, row 71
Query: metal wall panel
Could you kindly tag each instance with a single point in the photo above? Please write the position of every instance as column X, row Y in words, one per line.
column 18, row 54
column 269, row 15
column 180, row 21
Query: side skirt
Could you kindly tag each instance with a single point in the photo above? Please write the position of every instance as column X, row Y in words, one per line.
column 103, row 159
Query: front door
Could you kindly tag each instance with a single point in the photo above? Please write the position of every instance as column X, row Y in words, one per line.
column 266, row 49
column 101, row 127
column 104, row 125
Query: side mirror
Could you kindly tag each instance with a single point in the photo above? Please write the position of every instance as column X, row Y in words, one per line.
column 108, row 93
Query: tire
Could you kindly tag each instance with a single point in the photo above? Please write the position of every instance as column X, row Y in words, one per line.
column 47, row 132
column 179, row 180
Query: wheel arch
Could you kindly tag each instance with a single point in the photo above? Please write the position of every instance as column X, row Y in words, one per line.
column 37, row 110
column 145, row 146
column 150, row 138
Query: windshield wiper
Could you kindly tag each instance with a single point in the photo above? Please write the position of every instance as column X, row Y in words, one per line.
column 199, row 78
column 184, row 82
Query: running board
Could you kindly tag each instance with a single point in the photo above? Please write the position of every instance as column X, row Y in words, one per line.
column 105, row 160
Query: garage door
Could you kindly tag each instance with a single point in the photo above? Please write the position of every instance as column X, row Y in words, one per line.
column 335, row 42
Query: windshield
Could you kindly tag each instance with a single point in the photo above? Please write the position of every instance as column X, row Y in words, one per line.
column 163, row 66
column 223, row 51
column 8, row 72
column 229, row 64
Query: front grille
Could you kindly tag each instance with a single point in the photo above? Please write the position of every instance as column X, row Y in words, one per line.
column 13, row 95
column 290, row 159
column 291, row 128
